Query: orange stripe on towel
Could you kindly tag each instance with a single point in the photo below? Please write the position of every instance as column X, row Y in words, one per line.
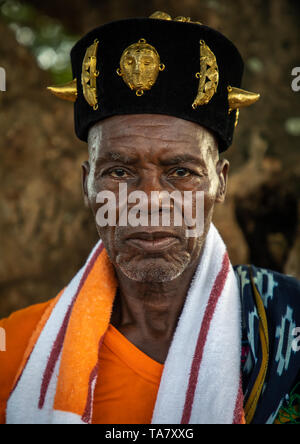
column 88, row 322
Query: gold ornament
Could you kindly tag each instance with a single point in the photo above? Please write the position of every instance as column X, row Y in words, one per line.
column 208, row 76
column 237, row 117
column 89, row 75
column 140, row 66
column 68, row 91
column 159, row 15
column 239, row 98
column 164, row 16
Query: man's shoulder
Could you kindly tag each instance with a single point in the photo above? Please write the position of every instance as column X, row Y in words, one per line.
column 25, row 317
column 270, row 317
column 18, row 328
column 29, row 316
column 280, row 293
column 16, row 331
column 270, row 284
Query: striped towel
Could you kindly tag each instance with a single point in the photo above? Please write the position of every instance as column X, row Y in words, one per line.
column 201, row 379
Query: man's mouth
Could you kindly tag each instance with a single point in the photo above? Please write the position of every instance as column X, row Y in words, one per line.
column 154, row 241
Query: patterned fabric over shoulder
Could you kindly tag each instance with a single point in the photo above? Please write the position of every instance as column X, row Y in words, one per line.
column 273, row 360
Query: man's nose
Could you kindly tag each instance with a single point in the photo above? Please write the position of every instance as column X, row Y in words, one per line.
column 155, row 192
column 152, row 180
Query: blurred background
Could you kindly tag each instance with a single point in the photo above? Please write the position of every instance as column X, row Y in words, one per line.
column 46, row 232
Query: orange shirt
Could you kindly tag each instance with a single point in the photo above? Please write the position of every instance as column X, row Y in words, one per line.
column 128, row 380
column 127, row 384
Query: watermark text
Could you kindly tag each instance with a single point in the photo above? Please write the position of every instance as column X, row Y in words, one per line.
column 162, row 209
column 296, row 80
column 2, row 79
column 296, row 341
column 2, row 340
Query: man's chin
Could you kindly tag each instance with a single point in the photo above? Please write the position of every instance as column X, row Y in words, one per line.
column 153, row 270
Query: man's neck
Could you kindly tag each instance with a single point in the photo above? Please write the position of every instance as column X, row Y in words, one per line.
column 147, row 313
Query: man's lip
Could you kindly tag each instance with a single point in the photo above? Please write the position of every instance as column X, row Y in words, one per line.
column 153, row 245
column 151, row 235
column 153, row 241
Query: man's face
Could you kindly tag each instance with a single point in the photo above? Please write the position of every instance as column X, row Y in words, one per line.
column 153, row 153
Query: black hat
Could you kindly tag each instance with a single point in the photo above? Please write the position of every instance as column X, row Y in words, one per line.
column 157, row 65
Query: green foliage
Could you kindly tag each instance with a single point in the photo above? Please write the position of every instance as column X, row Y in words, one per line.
column 45, row 37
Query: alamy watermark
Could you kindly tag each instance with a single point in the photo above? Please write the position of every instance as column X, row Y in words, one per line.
column 2, row 340
column 296, row 80
column 296, row 341
column 2, row 79
column 166, row 209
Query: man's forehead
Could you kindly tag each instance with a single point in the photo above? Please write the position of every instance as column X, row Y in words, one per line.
column 132, row 139
column 126, row 131
column 167, row 158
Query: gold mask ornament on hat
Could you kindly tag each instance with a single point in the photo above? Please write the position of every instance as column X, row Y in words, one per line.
column 140, row 66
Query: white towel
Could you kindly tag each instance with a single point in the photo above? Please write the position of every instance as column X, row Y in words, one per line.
column 201, row 378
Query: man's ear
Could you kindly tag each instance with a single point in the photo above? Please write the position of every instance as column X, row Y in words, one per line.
column 85, row 174
column 222, row 171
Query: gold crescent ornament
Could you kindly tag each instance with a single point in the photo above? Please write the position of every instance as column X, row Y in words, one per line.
column 139, row 66
column 208, row 76
column 89, row 75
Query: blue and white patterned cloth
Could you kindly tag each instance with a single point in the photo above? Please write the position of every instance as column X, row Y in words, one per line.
column 280, row 295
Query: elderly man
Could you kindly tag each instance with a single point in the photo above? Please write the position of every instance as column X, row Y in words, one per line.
column 157, row 327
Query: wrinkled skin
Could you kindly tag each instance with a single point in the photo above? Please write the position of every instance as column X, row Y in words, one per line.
column 147, row 153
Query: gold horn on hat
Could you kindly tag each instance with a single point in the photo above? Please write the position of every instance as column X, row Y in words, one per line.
column 68, row 91
column 238, row 98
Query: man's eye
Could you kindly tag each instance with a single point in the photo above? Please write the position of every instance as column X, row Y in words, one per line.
column 181, row 172
column 119, row 173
